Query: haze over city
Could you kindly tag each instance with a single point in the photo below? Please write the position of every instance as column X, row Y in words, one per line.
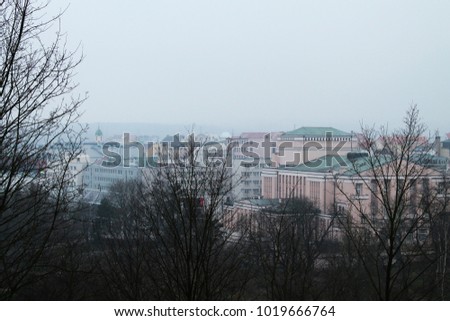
column 262, row 65
column 210, row 152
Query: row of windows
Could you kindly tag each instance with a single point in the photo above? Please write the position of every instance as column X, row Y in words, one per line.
column 425, row 182
column 106, row 179
column 237, row 151
column 290, row 186
column 248, row 174
column 324, row 138
column 250, row 182
column 113, row 171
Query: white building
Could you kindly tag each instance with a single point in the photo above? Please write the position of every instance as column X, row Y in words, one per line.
column 249, row 156
column 94, row 178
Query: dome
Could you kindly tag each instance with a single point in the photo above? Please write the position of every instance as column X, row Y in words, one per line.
column 225, row 135
column 98, row 132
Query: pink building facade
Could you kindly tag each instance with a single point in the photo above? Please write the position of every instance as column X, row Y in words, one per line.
column 335, row 187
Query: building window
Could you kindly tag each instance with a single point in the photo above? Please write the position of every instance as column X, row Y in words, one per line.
column 341, row 209
column 358, row 189
column 374, row 197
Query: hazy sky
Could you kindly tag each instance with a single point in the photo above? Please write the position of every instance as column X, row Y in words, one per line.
column 263, row 65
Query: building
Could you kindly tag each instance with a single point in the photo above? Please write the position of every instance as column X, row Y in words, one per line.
column 249, row 156
column 313, row 180
column 305, row 144
column 91, row 176
column 341, row 192
column 444, row 149
column 99, row 177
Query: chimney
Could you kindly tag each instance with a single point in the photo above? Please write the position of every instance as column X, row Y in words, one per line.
column 437, row 145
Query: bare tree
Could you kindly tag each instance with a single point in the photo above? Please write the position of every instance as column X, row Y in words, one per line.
column 388, row 223
column 126, row 243
column 38, row 137
column 289, row 240
column 440, row 238
column 194, row 253
column 167, row 240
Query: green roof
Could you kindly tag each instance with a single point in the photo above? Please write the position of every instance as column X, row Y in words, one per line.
column 359, row 162
column 315, row 132
column 364, row 164
column 323, row 164
column 98, row 132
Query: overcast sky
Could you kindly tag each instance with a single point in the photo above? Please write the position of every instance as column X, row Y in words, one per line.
column 263, row 65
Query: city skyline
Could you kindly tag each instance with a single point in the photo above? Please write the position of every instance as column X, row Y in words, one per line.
column 224, row 151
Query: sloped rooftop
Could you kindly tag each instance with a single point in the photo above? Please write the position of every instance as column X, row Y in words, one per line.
column 355, row 163
column 323, row 164
column 315, row 132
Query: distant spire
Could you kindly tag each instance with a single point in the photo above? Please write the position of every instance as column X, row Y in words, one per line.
column 98, row 135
